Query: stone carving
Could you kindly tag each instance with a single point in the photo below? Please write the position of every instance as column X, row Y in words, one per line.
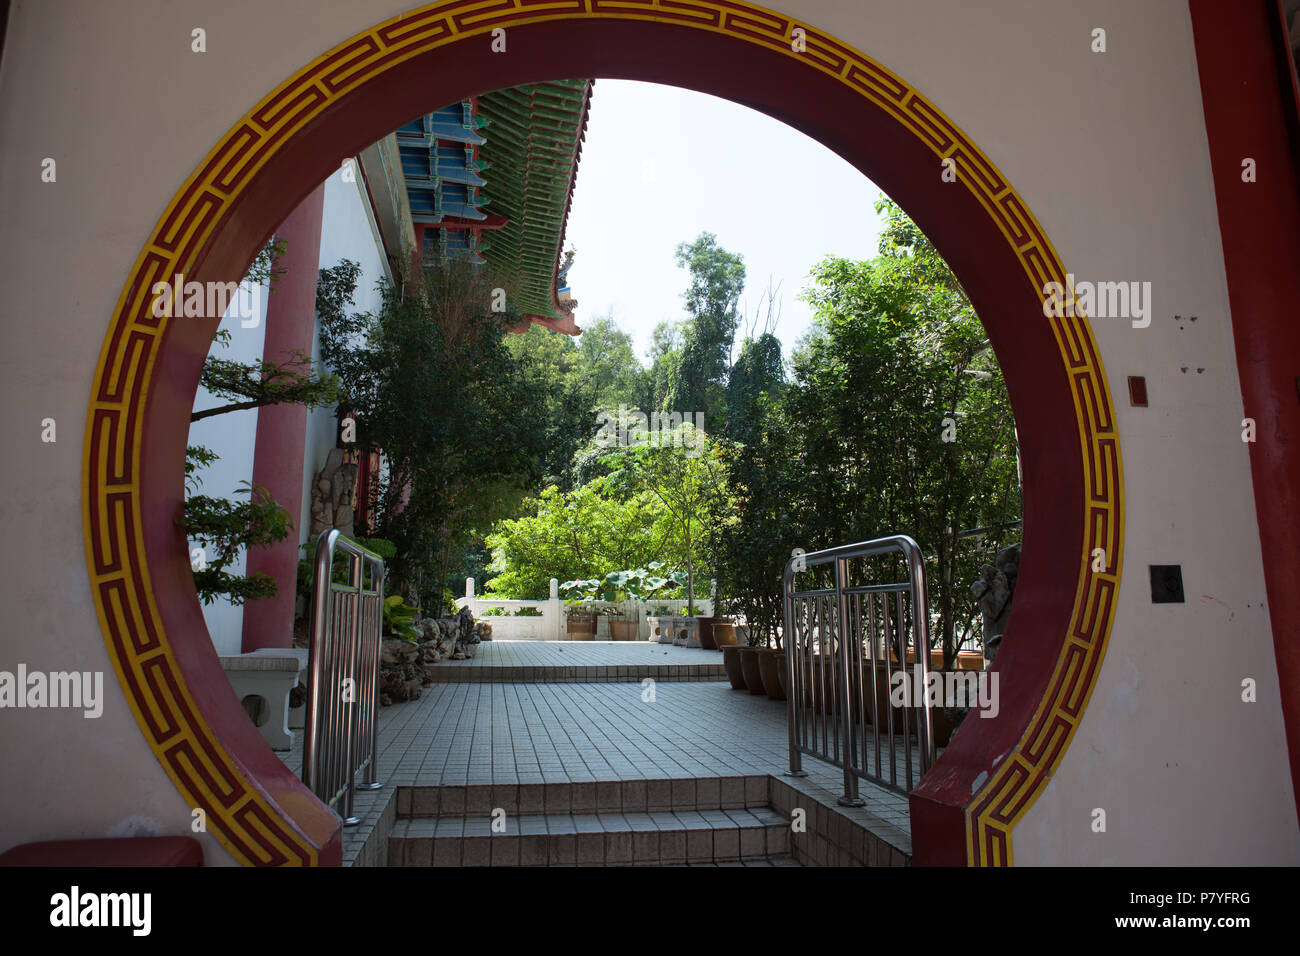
column 993, row 591
column 334, row 494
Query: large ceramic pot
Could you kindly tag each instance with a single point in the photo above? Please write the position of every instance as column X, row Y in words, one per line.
column 724, row 635
column 818, row 683
column 907, row 717
column 731, row 661
column 749, row 666
column 622, row 630
column 581, row 629
column 771, row 667
column 966, row 660
column 707, row 625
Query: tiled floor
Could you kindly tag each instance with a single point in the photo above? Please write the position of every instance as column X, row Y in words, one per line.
column 581, row 661
column 586, row 653
column 520, row 733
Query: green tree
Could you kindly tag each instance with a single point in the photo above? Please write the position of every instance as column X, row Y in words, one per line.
column 749, row 539
column 583, row 534
column 609, row 370
column 222, row 527
column 717, row 280
column 686, row 473
column 900, row 418
column 664, row 355
column 552, row 365
column 460, row 424
column 756, row 377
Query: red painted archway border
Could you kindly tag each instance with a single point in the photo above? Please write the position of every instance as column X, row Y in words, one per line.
column 138, row 420
column 1248, row 94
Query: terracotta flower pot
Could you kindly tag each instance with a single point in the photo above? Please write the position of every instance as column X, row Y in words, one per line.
column 907, row 717
column 731, row 661
column 724, row 634
column 621, row 630
column 750, row 668
column 707, row 639
column 771, row 666
column 819, row 683
column 581, row 630
column 966, row 660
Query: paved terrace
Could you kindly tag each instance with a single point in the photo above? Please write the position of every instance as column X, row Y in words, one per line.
column 583, row 661
column 494, row 741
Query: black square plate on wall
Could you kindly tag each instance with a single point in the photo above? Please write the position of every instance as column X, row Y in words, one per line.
column 1166, row 584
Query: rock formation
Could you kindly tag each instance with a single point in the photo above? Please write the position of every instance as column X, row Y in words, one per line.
column 406, row 667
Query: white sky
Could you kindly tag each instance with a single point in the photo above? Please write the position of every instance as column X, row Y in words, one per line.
column 661, row 164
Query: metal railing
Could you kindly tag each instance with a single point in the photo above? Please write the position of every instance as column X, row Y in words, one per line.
column 844, row 631
column 341, row 728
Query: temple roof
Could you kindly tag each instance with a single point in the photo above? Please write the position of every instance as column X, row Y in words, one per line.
column 534, row 143
column 492, row 179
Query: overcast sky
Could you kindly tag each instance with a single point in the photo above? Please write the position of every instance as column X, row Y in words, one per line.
column 662, row 164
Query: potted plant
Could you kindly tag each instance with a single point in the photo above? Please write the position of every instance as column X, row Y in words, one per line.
column 750, row 669
column 623, row 590
column 580, row 623
column 771, row 668
column 731, row 654
column 723, row 627
column 710, row 625
column 622, row 627
column 580, row 617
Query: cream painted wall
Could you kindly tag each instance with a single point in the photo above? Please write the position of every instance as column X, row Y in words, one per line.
column 1107, row 149
column 348, row 231
column 232, row 436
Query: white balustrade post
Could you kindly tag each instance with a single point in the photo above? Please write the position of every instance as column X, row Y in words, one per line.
column 555, row 622
column 469, row 596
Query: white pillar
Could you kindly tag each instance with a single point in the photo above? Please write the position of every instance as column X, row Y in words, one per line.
column 553, row 614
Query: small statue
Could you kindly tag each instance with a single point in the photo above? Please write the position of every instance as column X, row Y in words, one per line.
column 993, row 591
column 334, row 493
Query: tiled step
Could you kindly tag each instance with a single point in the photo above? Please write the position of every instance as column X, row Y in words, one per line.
column 770, row 861
column 601, row 796
column 592, row 839
column 457, row 672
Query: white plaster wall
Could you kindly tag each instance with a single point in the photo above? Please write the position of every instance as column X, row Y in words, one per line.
column 233, row 436
column 348, row 231
column 1108, row 150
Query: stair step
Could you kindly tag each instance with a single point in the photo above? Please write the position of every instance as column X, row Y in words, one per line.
column 593, row 839
column 770, row 861
column 601, row 796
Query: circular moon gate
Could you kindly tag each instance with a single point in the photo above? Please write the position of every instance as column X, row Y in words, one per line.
column 138, row 419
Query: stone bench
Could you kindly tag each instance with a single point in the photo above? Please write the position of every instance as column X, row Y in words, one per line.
column 263, row 680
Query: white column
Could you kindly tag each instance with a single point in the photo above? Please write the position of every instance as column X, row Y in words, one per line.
column 553, row 615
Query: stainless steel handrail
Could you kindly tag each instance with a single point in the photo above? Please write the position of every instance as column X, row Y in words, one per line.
column 824, row 642
column 340, row 736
